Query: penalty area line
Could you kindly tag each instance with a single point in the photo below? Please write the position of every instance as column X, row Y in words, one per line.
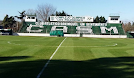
column 38, row 76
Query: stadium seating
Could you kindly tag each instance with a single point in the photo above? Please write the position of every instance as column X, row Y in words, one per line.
column 114, row 29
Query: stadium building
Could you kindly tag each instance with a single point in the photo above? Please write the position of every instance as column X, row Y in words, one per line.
column 69, row 26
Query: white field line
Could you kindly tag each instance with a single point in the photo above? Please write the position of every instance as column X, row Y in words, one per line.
column 112, row 45
column 38, row 76
column 92, row 46
column 28, row 45
column 65, row 46
column 9, row 42
column 12, row 43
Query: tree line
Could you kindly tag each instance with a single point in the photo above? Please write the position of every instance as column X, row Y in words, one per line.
column 128, row 26
column 11, row 23
column 8, row 22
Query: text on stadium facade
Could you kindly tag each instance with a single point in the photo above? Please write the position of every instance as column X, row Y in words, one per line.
column 70, row 24
column 71, row 18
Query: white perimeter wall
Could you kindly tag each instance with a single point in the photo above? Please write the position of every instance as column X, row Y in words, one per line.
column 30, row 34
column 105, row 36
column 71, row 35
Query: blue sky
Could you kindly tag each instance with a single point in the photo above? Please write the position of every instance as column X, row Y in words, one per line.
column 74, row 7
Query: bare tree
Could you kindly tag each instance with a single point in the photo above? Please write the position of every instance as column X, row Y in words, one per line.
column 21, row 16
column 44, row 11
column 127, row 27
column 30, row 12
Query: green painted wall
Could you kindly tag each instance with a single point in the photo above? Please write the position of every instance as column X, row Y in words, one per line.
column 72, row 29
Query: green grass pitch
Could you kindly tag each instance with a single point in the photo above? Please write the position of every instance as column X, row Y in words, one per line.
column 24, row 57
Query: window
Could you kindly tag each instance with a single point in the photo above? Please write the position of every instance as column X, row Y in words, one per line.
column 32, row 17
column 114, row 18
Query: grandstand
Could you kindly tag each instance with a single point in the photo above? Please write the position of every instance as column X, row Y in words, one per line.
column 79, row 27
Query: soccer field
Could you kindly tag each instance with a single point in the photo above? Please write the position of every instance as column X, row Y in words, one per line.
column 60, row 57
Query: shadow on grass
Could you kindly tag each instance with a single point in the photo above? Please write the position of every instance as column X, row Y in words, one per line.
column 122, row 67
column 13, row 58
